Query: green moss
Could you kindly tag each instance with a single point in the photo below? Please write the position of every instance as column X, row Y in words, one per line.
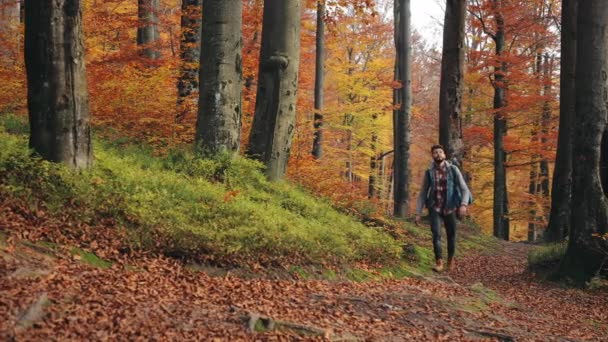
column 219, row 206
column 90, row 258
column 486, row 294
column 547, row 256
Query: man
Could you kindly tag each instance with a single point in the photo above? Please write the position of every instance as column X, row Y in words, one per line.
column 445, row 194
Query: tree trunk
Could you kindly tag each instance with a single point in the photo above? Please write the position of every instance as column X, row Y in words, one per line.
column 559, row 218
column 57, row 96
column 275, row 109
column 501, row 218
column 190, row 48
column 218, row 127
column 372, row 190
column 452, row 84
column 545, row 121
column 604, row 161
column 403, row 103
column 147, row 30
column 584, row 255
column 317, row 145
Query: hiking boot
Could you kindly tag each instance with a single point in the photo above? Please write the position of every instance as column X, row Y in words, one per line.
column 438, row 265
column 451, row 264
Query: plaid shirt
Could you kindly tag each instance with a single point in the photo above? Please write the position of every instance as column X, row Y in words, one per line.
column 440, row 189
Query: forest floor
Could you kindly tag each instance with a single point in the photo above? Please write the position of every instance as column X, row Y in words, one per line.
column 49, row 291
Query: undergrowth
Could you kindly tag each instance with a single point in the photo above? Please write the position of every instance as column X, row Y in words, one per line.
column 220, row 208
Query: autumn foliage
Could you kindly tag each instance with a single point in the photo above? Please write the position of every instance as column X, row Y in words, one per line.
column 137, row 96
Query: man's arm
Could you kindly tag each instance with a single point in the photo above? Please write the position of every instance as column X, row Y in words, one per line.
column 422, row 195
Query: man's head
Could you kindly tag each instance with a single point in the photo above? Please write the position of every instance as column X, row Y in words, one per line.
column 438, row 153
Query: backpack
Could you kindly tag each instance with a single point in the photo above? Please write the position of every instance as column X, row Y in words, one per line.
column 457, row 193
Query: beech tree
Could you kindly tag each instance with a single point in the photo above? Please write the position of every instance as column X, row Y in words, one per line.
column 147, row 29
column 559, row 219
column 275, row 109
column 57, row 96
column 317, row 145
column 190, row 47
column 218, row 126
column 589, row 216
column 452, row 82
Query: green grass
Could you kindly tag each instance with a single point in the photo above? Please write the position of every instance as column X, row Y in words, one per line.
column 89, row 258
column 221, row 207
column 547, row 256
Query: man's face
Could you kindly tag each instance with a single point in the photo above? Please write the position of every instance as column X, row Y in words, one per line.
column 438, row 155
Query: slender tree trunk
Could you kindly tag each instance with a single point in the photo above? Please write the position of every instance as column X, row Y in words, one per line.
column 372, row 190
column 501, row 212
column 534, row 186
column 401, row 115
column 317, row 145
column 452, row 83
column 604, row 162
column 382, row 177
column 218, row 127
column 190, row 48
column 275, row 108
column 544, row 130
column 58, row 102
column 559, row 218
column 147, row 31
column 584, row 255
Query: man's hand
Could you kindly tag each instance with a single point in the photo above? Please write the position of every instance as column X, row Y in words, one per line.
column 462, row 211
column 417, row 219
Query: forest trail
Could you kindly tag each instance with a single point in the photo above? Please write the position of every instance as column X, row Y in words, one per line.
column 50, row 293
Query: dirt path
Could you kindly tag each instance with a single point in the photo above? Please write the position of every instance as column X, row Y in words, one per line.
column 46, row 297
column 543, row 307
column 54, row 293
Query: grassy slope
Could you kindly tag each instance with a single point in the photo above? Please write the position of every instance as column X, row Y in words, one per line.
column 221, row 208
column 218, row 209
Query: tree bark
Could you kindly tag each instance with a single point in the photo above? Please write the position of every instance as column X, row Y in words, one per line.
column 604, row 161
column 559, row 218
column 501, row 212
column 57, row 96
column 452, row 83
column 275, row 109
column 147, row 30
column 372, row 190
column 585, row 255
column 190, row 48
column 218, row 127
column 403, row 103
column 545, row 121
column 317, row 145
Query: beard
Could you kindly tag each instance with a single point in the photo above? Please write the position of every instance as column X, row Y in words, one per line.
column 438, row 160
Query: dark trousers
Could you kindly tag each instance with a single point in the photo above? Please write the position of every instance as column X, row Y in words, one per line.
column 450, row 228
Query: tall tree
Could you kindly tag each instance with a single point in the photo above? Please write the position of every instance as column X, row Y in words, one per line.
column 604, row 161
column 403, row 103
column 452, row 82
column 218, row 126
column 501, row 211
column 58, row 102
column 147, row 29
column 317, row 145
column 190, row 48
column 589, row 216
column 275, row 110
column 559, row 219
